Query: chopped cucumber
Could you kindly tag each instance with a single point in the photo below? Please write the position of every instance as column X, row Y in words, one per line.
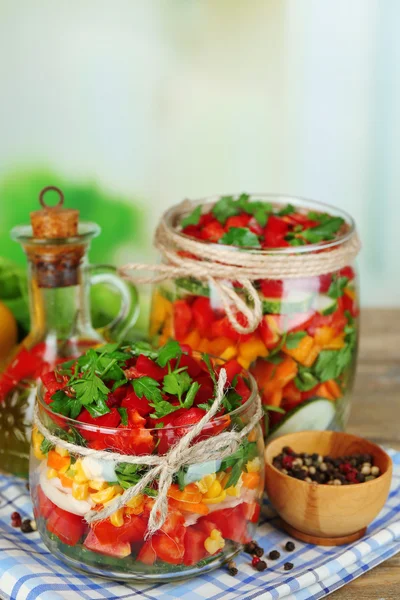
column 312, row 415
column 297, row 302
column 324, row 304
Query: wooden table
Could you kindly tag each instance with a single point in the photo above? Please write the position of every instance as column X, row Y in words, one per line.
column 376, row 415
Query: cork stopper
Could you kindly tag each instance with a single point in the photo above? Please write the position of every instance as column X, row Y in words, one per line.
column 52, row 222
column 56, row 262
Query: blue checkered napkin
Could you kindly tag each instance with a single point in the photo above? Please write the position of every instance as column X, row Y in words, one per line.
column 28, row 571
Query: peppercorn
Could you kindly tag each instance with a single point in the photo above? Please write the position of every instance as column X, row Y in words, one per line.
column 16, row 519
column 288, row 566
column 26, row 526
column 232, row 569
column 289, row 546
column 250, row 547
column 261, row 565
column 258, row 552
column 274, row 555
column 255, row 560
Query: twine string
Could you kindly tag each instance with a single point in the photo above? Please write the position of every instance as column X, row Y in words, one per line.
column 163, row 468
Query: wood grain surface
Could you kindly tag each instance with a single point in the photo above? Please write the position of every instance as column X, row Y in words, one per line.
column 375, row 414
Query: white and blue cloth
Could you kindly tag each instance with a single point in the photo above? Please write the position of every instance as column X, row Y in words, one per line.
column 29, row 572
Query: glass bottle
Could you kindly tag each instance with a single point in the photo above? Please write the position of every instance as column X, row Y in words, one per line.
column 59, row 278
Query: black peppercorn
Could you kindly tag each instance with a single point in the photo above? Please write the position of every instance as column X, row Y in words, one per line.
column 258, row 552
column 274, row 555
column 26, row 526
column 288, row 566
column 261, row 565
column 289, row 546
column 250, row 547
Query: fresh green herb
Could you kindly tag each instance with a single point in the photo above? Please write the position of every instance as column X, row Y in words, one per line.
column 46, row 446
column 124, row 415
column 180, row 478
column 240, row 236
column 177, row 383
column 168, row 352
column 64, row 405
column 330, row 364
column 147, row 387
column 287, row 210
column 305, row 379
column 210, row 368
column 159, row 425
column 145, row 348
column 237, row 461
column 260, row 210
column 192, row 219
column 324, row 231
column 296, row 241
column 278, row 347
column 129, row 475
column 196, row 287
column 293, row 339
column 225, row 207
column 232, row 400
column 320, row 217
column 337, row 287
column 119, row 383
column 191, row 395
column 275, row 359
column 277, row 409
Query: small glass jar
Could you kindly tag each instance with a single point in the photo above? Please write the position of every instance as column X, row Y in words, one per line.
column 213, row 507
column 302, row 354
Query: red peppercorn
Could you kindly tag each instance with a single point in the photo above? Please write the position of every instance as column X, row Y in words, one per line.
column 287, row 462
column 255, row 561
column 16, row 519
column 352, row 476
column 345, row 467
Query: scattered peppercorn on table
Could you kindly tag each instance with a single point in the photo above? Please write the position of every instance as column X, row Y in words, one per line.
column 375, row 415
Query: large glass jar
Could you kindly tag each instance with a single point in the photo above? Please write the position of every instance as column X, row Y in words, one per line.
column 303, row 351
column 59, row 278
column 208, row 518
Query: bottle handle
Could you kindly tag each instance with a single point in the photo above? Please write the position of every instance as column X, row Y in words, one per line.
column 129, row 311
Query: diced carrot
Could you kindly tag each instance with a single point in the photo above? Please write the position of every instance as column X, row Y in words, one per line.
column 190, row 493
column 198, row 508
column 251, row 480
column 324, row 392
column 273, row 398
column 220, row 344
column 57, row 462
column 66, row 481
column 272, row 378
column 193, row 339
column 334, row 388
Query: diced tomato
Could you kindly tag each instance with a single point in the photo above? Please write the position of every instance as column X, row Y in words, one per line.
column 182, row 317
column 251, row 511
column 167, row 437
column 232, row 368
column 188, row 417
column 168, row 549
column 133, row 402
column 212, row 231
column 272, row 288
column 115, row 398
column 231, row 522
column 111, row 419
column 147, row 553
column 192, row 231
column 136, row 441
column 45, row 505
column 53, row 382
column 347, row 272
column 237, row 221
column 193, row 366
column 242, row 389
column 350, row 305
column 67, row 527
column 291, row 394
column 255, row 227
column 149, row 368
column 111, row 548
column 223, row 328
column 274, row 233
column 205, row 219
column 337, row 320
column 194, row 546
column 267, row 334
column 24, row 365
column 325, row 282
column 203, row 314
column 131, row 531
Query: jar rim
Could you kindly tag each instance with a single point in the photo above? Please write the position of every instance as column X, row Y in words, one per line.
column 112, row 430
column 171, row 218
column 86, row 231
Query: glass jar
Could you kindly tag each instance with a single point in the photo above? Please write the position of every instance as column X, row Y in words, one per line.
column 59, row 279
column 303, row 352
column 210, row 515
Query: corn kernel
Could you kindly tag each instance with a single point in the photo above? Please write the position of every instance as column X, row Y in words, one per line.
column 80, row 491
column 206, row 482
column 51, row 473
column 216, row 499
column 233, row 490
column 107, row 502
column 253, row 466
column 37, row 440
column 117, row 518
column 214, row 542
column 61, row 451
column 105, row 495
column 135, row 501
column 65, row 468
column 214, row 490
column 80, row 476
column 97, row 484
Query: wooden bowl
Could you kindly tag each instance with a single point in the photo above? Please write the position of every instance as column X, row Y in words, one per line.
column 326, row 514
